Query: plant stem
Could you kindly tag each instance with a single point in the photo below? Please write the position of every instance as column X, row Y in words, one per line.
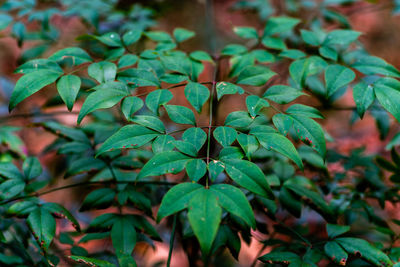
column 171, row 241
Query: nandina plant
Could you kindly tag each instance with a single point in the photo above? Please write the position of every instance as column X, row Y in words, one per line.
column 149, row 134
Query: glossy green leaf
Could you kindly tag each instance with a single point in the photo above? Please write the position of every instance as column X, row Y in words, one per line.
column 337, row 76
column 177, row 199
column 282, row 122
column 196, row 136
column 225, row 135
column 290, row 202
column 230, row 152
column 149, row 121
column 201, row 56
column 157, row 98
column 310, row 38
column 274, row 43
column 68, row 87
column 123, row 236
column 280, row 144
column 30, row 83
column 281, row 257
column 364, row 96
column 370, row 65
column 215, row 168
column 163, row 143
column 255, row 75
column 159, row 36
column 302, row 68
column 31, row 168
column 101, row 99
column 255, row 104
column 10, row 171
column 204, row 216
column 11, row 188
column 197, row 94
column 248, row 175
column 282, row 94
column 238, row 119
column 181, row 34
column 43, row 226
column 61, row 212
column 225, row 88
column 91, row 261
column 328, row 52
column 39, row 64
column 336, row 253
column 84, row 164
column 75, row 55
column 278, row 25
column 246, row 32
column 186, row 148
column 98, row 199
column 103, row 71
column 138, row 77
column 387, row 91
column 248, row 143
column 341, row 37
column 363, row 249
column 129, row 136
column 166, row 162
column 130, row 105
column 292, row 54
column 180, row 114
column 310, row 133
column 233, row 49
column 127, row 60
column 310, row 112
column 335, row 230
column 132, row 36
column 196, row 169
column 234, row 201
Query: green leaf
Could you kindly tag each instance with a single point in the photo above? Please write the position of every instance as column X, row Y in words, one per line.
column 370, row 65
column 180, row 114
column 233, row 49
column 230, row 152
column 337, row 76
column 30, row 83
column 181, row 34
column 302, row 68
column 129, row 136
column 197, row 94
column 177, row 199
column 225, row 135
column 11, row 188
column 127, row 60
column 255, row 104
column 304, row 110
column 292, row 54
column 215, row 168
column 255, row 75
column 39, row 64
column 225, row 88
column 234, row 201
column 280, row 144
column 130, row 105
column 238, row 119
column 166, row 162
column 111, row 39
column 263, row 56
column 196, row 169
column 123, row 236
column 196, row 136
column 101, row 99
column 159, row 36
column 290, row 202
column 10, row 171
column 68, row 87
column 335, row 230
column 364, row 96
column 151, row 122
column 186, row 148
column 163, row 143
column 336, row 253
column 201, row 56
column 362, row 248
column 282, row 94
column 22, row 208
column 204, row 217
column 61, row 212
column 177, row 63
column 31, row 168
column 248, row 143
column 91, row 261
column 310, row 38
column 328, row 53
column 85, row 164
column 273, row 43
column 132, row 36
column 310, row 133
column 246, row 32
column 278, row 25
column 282, row 122
column 98, row 199
column 341, row 37
column 281, row 257
column 157, row 98
column 248, row 175
column 387, row 91
column 75, row 55
column 43, row 226
column 5, row 20
column 103, row 71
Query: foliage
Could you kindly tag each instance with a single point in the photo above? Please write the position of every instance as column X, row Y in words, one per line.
column 137, row 146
